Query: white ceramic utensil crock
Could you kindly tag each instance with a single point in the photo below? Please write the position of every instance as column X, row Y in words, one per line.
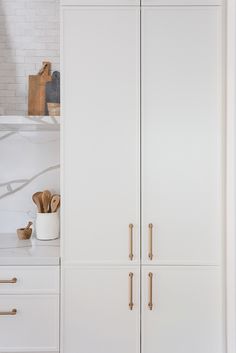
column 47, row 226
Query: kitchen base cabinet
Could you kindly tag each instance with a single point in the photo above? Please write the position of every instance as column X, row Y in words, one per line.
column 97, row 315
column 29, row 309
column 187, row 313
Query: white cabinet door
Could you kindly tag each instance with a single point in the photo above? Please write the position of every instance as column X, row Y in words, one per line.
column 187, row 313
column 96, row 310
column 182, row 134
column 100, row 133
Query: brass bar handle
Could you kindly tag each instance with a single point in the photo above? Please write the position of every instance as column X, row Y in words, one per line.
column 131, row 304
column 13, row 280
column 150, row 304
column 131, row 255
column 150, row 254
column 8, row 313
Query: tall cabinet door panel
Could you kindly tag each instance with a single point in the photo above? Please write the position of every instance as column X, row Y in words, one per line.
column 187, row 310
column 101, row 133
column 97, row 315
column 182, row 135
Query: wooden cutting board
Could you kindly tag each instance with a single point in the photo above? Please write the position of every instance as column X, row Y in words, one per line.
column 37, row 90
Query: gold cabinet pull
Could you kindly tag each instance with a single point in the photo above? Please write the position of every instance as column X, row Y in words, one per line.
column 131, row 304
column 150, row 304
column 13, row 280
column 8, row 313
column 131, row 255
column 150, row 254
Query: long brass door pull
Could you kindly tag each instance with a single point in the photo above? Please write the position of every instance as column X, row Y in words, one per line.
column 131, row 255
column 8, row 313
column 131, row 304
column 150, row 304
column 13, row 280
column 150, row 254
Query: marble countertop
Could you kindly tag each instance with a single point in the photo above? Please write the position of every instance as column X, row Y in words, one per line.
column 28, row 252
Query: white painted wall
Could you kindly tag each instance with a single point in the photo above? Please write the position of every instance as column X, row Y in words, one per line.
column 29, row 34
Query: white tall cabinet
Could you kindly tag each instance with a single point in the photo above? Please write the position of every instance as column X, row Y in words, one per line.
column 143, row 177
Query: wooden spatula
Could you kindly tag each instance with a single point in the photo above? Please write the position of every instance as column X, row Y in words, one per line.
column 37, row 198
column 46, row 198
column 55, row 203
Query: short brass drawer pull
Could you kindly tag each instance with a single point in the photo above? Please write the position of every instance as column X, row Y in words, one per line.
column 131, row 255
column 13, row 280
column 150, row 254
column 150, row 304
column 131, row 304
column 8, row 313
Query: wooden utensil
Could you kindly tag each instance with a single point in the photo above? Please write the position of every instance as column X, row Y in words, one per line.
column 55, row 203
column 46, row 199
column 25, row 233
column 37, row 198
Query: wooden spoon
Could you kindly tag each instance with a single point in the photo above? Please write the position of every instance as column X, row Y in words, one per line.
column 55, row 203
column 37, row 198
column 46, row 198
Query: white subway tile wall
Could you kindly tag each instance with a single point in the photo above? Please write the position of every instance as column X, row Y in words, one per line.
column 29, row 34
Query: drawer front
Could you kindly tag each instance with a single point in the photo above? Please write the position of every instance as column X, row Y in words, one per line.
column 100, row 2
column 181, row 2
column 29, row 279
column 35, row 325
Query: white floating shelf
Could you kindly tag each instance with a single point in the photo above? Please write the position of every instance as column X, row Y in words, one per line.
column 29, row 123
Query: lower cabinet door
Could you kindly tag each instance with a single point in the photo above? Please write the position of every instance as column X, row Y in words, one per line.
column 100, row 310
column 182, row 310
column 29, row 323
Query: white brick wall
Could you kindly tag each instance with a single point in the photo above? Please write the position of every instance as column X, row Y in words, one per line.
column 29, row 34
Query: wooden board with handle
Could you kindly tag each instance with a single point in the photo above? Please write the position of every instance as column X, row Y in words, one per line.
column 37, row 90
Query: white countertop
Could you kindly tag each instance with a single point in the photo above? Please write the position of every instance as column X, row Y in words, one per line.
column 28, row 252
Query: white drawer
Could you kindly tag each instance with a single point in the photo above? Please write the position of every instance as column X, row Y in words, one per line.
column 29, row 279
column 100, row 2
column 34, row 327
